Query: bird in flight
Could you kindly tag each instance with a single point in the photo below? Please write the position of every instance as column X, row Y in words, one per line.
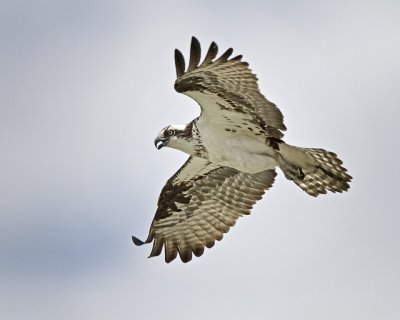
column 234, row 147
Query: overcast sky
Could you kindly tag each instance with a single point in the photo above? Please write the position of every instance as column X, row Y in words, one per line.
column 85, row 86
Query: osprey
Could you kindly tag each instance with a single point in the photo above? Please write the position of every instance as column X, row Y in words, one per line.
column 234, row 147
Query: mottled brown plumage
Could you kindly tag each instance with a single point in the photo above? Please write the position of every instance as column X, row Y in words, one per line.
column 190, row 218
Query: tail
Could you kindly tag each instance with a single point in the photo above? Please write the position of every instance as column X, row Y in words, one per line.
column 316, row 171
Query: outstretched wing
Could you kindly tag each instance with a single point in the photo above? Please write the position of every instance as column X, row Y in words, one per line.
column 199, row 204
column 227, row 91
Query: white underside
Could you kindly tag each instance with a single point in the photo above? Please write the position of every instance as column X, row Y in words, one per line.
column 238, row 147
column 241, row 152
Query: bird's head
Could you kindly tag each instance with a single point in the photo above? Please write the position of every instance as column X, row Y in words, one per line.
column 177, row 137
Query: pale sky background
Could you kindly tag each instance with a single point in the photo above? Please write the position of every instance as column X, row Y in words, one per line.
column 85, row 86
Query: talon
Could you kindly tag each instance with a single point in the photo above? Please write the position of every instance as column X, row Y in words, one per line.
column 292, row 172
column 301, row 174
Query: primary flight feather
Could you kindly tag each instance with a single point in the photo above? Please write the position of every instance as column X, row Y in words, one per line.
column 234, row 147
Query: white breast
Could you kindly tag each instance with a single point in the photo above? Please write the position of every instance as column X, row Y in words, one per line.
column 242, row 152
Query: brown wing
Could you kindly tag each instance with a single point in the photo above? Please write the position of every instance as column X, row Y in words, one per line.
column 199, row 204
column 227, row 90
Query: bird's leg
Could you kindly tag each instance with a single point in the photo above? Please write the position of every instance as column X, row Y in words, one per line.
column 290, row 171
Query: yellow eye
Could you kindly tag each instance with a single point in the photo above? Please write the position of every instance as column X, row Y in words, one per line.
column 170, row 132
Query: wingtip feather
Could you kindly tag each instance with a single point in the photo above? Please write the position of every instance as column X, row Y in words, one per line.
column 224, row 57
column 211, row 53
column 179, row 63
column 137, row 241
column 195, row 54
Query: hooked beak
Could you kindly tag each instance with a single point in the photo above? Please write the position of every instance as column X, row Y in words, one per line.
column 160, row 142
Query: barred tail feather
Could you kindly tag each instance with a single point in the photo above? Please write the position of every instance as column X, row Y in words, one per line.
column 327, row 175
column 318, row 170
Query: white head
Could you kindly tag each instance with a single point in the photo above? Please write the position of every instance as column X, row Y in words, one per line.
column 178, row 137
